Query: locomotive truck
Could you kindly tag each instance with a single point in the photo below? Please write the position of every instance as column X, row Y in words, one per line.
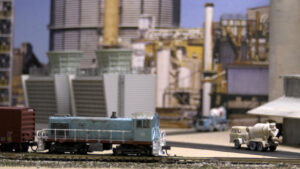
column 139, row 135
column 261, row 137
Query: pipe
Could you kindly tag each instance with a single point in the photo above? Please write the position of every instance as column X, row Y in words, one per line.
column 111, row 23
column 257, row 29
column 208, row 37
column 208, row 59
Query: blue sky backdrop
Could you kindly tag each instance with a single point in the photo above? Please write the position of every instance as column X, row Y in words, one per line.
column 32, row 18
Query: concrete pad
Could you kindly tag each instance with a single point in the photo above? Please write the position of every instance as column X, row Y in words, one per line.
column 187, row 142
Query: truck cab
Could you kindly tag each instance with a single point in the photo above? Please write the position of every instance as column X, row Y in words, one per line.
column 238, row 136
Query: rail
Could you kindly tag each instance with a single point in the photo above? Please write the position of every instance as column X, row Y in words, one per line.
column 44, row 158
column 76, row 134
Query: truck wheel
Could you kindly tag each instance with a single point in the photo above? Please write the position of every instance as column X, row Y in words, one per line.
column 224, row 127
column 237, row 144
column 260, row 147
column 273, row 148
column 252, row 146
column 211, row 128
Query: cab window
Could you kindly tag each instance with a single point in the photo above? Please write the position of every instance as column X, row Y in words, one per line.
column 139, row 123
column 143, row 124
column 146, row 124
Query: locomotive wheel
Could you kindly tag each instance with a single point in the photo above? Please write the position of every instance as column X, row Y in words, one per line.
column 52, row 149
column 260, row 147
column 83, row 150
column 146, row 152
column 237, row 144
column 273, row 148
column 252, row 146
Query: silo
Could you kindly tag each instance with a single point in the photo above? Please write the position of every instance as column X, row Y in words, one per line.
column 284, row 43
column 77, row 24
column 162, row 76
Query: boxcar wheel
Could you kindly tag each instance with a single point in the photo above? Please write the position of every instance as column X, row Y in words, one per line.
column 18, row 147
column 4, row 148
column 237, row 144
column 24, row 147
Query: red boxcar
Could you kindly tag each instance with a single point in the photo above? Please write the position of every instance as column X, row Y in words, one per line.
column 17, row 128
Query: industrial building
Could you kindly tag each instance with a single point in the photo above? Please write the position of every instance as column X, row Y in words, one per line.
column 286, row 107
column 284, row 44
column 110, row 86
column 6, row 51
column 284, row 79
column 77, row 25
column 241, row 49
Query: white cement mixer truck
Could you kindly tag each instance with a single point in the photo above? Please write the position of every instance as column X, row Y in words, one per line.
column 261, row 137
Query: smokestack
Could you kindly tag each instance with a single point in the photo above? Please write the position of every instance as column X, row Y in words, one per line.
column 111, row 23
column 208, row 58
column 208, row 37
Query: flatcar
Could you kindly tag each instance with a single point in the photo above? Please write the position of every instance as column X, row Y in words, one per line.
column 139, row 135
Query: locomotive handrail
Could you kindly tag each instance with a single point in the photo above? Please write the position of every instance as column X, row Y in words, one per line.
column 43, row 134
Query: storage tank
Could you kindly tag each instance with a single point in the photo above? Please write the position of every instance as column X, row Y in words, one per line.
column 184, row 78
column 263, row 130
column 162, row 76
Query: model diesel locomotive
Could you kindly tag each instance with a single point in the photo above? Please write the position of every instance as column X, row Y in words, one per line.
column 138, row 135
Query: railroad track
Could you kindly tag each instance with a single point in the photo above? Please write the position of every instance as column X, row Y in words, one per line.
column 141, row 159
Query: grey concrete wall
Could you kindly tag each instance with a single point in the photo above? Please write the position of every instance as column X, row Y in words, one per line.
column 291, row 134
column 284, row 53
column 247, row 80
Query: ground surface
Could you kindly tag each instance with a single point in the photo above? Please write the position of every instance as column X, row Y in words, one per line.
column 187, row 142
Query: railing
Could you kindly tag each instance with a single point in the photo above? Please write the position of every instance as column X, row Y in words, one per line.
column 76, row 134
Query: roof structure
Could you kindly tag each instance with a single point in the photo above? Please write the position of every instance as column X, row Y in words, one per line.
column 288, row 107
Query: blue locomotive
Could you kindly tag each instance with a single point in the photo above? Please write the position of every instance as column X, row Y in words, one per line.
column 138, row 135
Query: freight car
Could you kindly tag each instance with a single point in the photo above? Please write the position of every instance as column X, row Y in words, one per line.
column 138, row 135
column 17, row 128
